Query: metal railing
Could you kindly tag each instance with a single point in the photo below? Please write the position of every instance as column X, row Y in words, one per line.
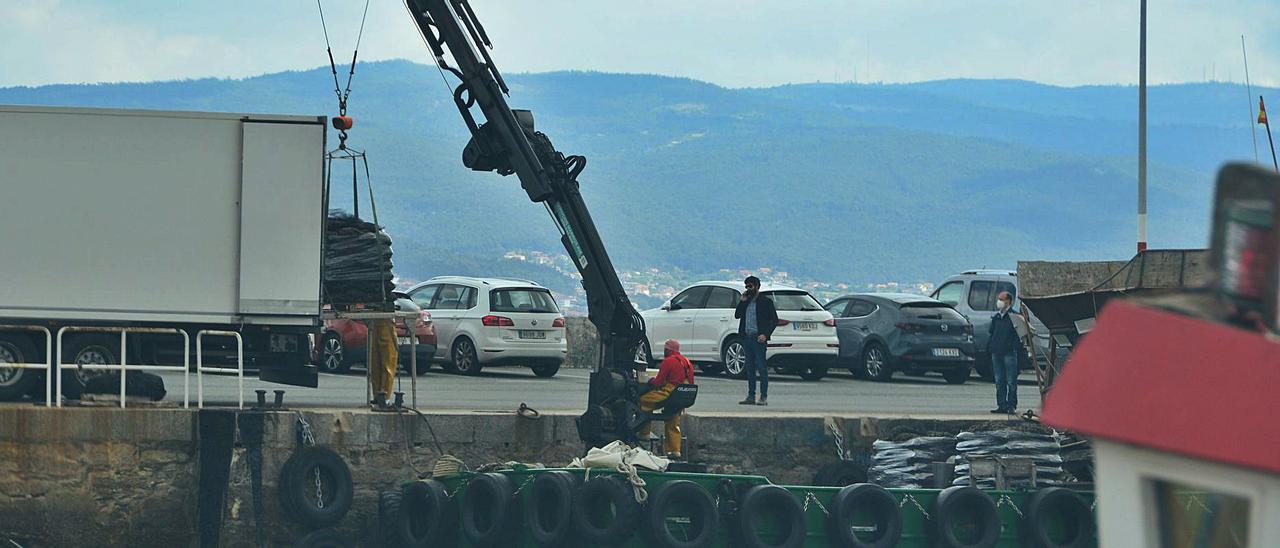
column 124, row 366
column 47, row 366
column 201, row 369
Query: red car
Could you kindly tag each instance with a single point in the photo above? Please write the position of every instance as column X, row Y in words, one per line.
column 342, row 344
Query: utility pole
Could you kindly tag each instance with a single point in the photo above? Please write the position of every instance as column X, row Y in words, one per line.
column 1142, row 130
column 1253, row 131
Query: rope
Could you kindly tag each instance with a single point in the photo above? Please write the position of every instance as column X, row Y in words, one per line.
column 637, row 482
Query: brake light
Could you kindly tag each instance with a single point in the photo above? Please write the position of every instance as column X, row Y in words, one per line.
column 424, row 317
column 830, row 323
column 782, row 322
column 497, row 321
column 559, row 322
column 909, row 327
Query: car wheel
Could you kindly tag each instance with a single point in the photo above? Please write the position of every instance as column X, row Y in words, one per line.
column 982, row 365
column 546, row 370
column 465, row 360
column 734, row 358
column 15, row 382
column 85, row 351
column 333, row 354
column 956, row 376
column 812, row 372
column 710, row 368
column 875, row 363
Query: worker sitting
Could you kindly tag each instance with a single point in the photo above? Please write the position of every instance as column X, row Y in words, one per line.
column 675, row 369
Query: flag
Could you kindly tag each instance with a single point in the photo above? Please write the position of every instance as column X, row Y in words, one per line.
column 1262, row 111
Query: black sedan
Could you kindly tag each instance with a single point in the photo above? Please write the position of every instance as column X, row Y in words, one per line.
column 881, row 333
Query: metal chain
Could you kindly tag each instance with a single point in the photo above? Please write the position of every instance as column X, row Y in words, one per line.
column 319, row 491
column 637, row 482
column 835, row 433
column 809, row 496
column 461, row 487
column 1004, row 499
column 908, row 498
column 527, row 481
column 308, row 438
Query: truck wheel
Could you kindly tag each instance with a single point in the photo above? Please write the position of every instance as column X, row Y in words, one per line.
column 15, row 382
column 84, row 351
column 875, row 362
column 465, row 360
column 333, row 354
column 734, row 358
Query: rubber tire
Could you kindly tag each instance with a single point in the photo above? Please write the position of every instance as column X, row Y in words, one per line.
column 812, row 373
column 863, row 496
column 770, row 499
column 957, row 376
column 710, row 368
column 724, row 359
column 293, row 486
column 493, row 496
column 605, row 492
column 388, row 516
column 324, row 538
column 546, row 371
column 459, row 345
column 425, row 504
column 886, row 370
column 343, row 364
column 25, row 380
column 1053, row 501
column 702, row 510
column 72, row 386
column 952, row 500
column 137, row 383
column 549, row 513
column 982, row 366
column 840, row 473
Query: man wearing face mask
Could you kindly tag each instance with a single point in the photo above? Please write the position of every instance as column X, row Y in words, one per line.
column 1004, row 346
column 757, row 318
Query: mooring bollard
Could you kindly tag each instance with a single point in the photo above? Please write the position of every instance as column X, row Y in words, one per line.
column 262, row 399
column 279, row 399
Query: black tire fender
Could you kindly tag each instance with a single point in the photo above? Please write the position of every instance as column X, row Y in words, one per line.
column 1058, row 503
column 550, row 509
column 964, row 497
column 388, row 515
column 764, row 500
column 697, row 503
column 426, row 516
column 324, row 538
column 296, row 491
column 597, row 528
column 870, row 500
column 490, row 511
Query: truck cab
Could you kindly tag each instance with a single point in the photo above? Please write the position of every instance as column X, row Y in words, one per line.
column 973, row 294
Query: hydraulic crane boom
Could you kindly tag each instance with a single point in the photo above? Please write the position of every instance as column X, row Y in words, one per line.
column 506, row 142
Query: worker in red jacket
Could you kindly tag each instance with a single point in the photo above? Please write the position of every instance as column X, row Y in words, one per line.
column 675, row 369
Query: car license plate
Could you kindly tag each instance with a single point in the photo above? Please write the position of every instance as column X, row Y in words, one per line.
column 404, row 341
column 533, row 334
column 946, row 352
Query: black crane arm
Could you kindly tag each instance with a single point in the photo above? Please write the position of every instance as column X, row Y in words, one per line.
column 506, row 142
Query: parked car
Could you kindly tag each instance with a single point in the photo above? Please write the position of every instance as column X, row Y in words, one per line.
column 881, row 333
column 973, row 294
column 342, row 343
column 484, row 322
column 701, row 318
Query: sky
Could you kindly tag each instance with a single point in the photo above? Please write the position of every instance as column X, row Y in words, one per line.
column 733, row 43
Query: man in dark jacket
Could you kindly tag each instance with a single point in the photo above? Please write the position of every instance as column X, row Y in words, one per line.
column 1003, row 344
column 757, row 319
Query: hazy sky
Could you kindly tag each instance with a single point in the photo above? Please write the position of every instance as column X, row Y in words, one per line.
column 728, row 42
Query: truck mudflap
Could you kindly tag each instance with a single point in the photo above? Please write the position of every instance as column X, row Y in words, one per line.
column 298, row 375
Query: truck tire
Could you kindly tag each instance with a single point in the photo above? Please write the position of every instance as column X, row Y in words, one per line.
column 85, row 349
column 14, row 382
column 323, row 538
column 464, row 358
column 297, row 483
column 333, row 354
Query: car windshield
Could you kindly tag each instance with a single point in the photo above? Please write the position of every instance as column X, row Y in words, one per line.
column 793, row 301
column 522, row 300
column 927, row 310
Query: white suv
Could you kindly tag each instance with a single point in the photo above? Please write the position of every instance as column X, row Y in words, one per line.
column 493, row 321
column 701, row 318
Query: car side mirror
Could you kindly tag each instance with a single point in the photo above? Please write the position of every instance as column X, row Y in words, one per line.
column 673, row 307
column 666, row 305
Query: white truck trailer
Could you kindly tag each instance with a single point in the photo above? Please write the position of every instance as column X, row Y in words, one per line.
column 163, row 220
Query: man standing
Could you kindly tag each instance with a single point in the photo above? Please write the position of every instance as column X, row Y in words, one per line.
column 675, row 369
column 385, row 357
column 757, row 319
column 1004, row 346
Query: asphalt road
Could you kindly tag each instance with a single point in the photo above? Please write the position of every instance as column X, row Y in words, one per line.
column 504, row 389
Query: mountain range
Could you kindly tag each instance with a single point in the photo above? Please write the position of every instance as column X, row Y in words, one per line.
column 841, row 182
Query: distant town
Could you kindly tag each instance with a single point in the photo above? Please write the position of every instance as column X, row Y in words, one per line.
column 650, row 287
